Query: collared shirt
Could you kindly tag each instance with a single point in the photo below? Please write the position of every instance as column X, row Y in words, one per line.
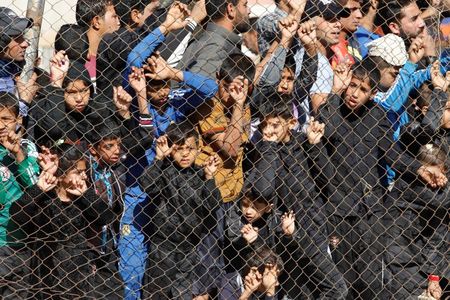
column 206, row 53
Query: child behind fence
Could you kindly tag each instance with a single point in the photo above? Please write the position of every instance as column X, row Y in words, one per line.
column 184, row 199
column 57, row 213
column 105, row 149
column 258, row 278
column 18, row 170
column 256, row 222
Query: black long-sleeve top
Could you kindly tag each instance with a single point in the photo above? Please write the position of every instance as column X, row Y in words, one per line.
column 183, row 205
column 46, row 218
column 60, row 232
column 357, row 149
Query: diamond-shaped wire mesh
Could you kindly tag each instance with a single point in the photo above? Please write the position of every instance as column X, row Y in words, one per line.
column 225, row 149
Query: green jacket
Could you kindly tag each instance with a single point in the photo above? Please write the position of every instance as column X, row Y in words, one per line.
column 14, row 178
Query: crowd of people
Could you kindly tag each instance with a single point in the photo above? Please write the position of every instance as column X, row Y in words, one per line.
column 197, row 150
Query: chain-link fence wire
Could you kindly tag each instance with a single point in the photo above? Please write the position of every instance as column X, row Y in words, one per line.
column 226, row 150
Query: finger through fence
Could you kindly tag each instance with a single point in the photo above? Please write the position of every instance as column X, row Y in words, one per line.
column 225, row 149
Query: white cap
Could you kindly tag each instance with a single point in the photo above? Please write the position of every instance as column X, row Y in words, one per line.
column 259, row 10
column 391, row 48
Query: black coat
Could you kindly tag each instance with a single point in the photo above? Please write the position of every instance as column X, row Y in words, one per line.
column 358, row 148
column 299, row 252
column 183, row 205
column 285, row 166
column 53, row 120
column 62, row 228
column 419, row 236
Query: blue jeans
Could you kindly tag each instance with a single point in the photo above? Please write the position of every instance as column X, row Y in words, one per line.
column 133, row 258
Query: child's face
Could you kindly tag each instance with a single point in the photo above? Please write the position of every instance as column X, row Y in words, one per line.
column 286, row 85
column 110, row 21
column 184, row 155
column 388, row 76
column 357, row 93
column 158, row 93
column 253, row 210
column 78, row 172
column 277, row 129
column 446, row 117
column 77, row 95
column 108, row 151
column 8, row 122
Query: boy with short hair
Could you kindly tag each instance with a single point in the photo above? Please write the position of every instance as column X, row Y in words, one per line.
column 258, row 278
column 357, row 138
column 256, row 222
column 105, row 147
column 282, row 152
column 159, row 106
column 223, row 123
column 183, row 199
column 114, row 47
column 19, row 169
column 97, row 17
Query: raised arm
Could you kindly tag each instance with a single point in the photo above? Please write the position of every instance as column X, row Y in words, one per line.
column 230, row 141
column 439, row 98
column 176, row 19
column 200, row 88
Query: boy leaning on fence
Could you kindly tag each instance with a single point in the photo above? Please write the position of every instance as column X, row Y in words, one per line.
column 258, row 279
column 97, row 18
column 255, row 221
column 183, row 201
column 56, row 215
column 105, row 150
column 223, row 123
column 356, row 142
column 18, row 170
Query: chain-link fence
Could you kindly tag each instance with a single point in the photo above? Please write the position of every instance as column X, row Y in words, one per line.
column 225, row 149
